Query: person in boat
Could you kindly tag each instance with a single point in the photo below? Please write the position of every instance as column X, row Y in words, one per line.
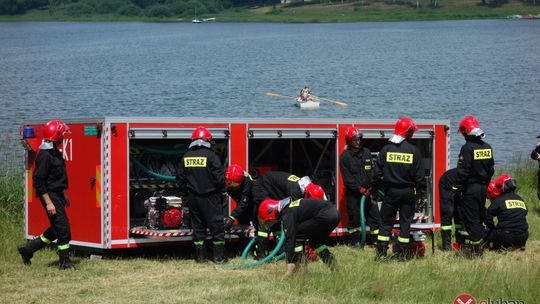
column 278, row 185
column 512, row 230
column 304, row 221
column 305, row 94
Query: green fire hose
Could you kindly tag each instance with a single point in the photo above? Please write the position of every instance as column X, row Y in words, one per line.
column 162, row 150
column 268, row 258
column 362, row 222
column 250, row 245
column 363, row 218
column 246, row 250
column 152, row 173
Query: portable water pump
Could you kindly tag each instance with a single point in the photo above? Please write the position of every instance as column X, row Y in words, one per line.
column 163, row 212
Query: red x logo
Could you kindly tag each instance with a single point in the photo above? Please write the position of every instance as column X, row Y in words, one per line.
column 464, row 299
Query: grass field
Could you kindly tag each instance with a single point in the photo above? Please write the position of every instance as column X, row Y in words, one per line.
column 321, row 11
column 166, row 277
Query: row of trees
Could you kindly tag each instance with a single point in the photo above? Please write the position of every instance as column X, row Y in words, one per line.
column 149, row 8
column 160, row 8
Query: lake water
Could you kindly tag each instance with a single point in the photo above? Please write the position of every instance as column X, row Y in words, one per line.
column 428, row 70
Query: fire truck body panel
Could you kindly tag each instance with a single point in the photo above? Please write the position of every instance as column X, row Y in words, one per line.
column 115, row 164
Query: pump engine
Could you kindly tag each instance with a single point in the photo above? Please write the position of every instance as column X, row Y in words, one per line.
column 163, row 212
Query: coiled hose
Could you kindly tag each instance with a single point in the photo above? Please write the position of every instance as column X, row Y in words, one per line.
column 250, row 245
column 268, row 258
column 152, row 173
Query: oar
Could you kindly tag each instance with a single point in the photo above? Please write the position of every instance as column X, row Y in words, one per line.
column 339, row 103
column 279, row 95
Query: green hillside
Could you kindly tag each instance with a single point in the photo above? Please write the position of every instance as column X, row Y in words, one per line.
column 264, row 11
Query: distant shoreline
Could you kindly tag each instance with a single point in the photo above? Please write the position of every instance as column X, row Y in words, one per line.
column 338, row 12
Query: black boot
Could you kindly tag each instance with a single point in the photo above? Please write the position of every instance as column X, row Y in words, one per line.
column 64, row 261
column 328, row 258
column 262, row 245
column 476, row 251
column 220, row 257
column 403, row 253
column 372, row 238
column 446, row 237
column 27, row 250
column 355, row 239
column 462, row 239
column 382, row 248
column 200, row 253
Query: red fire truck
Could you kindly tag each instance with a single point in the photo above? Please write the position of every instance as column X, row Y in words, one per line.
column 122, row 170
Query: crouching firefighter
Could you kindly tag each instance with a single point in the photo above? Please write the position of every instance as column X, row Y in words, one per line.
column 512, row 230
column 239, row 187
column 450, row 200
column 50, row 181
column 201, row 171
column 303, row 220
column 400, row 171
column 278, row 185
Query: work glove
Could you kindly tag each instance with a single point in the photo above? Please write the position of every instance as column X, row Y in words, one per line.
column 364, row 191
column 228, row 222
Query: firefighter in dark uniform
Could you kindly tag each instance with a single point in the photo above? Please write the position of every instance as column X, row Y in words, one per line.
column 449, row 201
column 475, row 169
column 302, row 219
column 400, row 172
column 535, row 154
column 278, row 185
column 356, row 166
column 50, row 180
column 201, row 171
column 239, row 187
column 512, row 230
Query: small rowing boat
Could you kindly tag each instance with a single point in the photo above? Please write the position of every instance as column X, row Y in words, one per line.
column 306, row 104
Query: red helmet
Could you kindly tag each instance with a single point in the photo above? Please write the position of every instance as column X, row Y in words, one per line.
column 405, row 127
column 201, row 133
column 234, row 173
column 492, row 191
column 352, row 132
column 506, row 183
column 54, row 130
column 470, row 126
column 314, row 191
column 268, row 210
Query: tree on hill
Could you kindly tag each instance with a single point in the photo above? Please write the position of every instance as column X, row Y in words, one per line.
column 14, row 7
